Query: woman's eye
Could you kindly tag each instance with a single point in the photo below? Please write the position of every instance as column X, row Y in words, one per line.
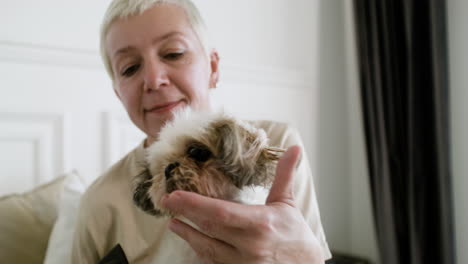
column 129, row 71
column 174, row 55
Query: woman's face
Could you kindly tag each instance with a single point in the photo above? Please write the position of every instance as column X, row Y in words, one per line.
column 159, row 66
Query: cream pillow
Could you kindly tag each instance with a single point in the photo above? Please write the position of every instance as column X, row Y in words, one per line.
column 26, row 221
column 61, row 237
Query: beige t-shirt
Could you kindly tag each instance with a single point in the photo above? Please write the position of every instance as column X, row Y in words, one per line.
column 108, row 216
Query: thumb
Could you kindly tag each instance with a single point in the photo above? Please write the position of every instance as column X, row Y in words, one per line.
column 282, row 189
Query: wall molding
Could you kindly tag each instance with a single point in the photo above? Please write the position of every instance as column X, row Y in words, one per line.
column 48, row 135
column 27, row 53
column 119, row 136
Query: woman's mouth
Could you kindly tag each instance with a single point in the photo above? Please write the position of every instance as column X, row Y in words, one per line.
column 163, row 108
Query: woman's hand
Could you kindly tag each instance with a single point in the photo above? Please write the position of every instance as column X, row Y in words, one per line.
column 238, row 233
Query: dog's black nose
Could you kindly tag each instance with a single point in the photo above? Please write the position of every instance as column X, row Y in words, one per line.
column 169, row 169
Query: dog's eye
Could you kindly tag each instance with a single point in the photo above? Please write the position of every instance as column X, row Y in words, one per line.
column 198, row 153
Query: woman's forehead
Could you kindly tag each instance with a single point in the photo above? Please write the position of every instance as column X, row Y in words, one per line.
column 155, row 24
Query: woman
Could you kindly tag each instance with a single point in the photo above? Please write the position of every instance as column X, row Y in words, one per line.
column 158, row 58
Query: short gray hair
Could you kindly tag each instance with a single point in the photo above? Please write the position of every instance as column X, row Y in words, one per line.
column 119, row 9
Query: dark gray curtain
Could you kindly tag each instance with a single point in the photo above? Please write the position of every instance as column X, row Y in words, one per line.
column 402, row 47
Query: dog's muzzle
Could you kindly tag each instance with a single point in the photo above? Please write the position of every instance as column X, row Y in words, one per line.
column 170, row 184
column 169, row 169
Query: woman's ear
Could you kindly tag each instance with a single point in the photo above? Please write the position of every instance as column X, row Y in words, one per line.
column 214, row 66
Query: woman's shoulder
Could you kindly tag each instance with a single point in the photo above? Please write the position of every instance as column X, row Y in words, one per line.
column 280, row 134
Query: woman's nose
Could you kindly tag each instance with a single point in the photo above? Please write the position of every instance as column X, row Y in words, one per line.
column 155, row 76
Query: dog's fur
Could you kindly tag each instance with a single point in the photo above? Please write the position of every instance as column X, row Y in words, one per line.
column 213, row 154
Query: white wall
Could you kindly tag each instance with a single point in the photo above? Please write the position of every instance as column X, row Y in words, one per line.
column 458, row 57
column 341, row 160
column 332, row 139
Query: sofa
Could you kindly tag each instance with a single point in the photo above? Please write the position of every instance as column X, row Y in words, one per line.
column 37, row 226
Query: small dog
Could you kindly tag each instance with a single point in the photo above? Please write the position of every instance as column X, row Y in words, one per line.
column 213, row 154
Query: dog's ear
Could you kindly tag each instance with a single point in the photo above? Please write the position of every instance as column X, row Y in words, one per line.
column 266, row 166
column 272, row 153
column 141, row 197
column 245, row 158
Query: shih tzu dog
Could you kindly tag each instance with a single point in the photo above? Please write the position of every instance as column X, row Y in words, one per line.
column 213, row 154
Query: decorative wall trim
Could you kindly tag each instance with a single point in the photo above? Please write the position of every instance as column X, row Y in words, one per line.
column 119, row 136
column 90, row 59
column 48, row 135
column 49, row 55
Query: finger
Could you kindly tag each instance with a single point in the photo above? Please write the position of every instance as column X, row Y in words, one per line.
column 199, row 208
column 215, row 217
column 282, row 189
column 207, row 248
column 227, row 221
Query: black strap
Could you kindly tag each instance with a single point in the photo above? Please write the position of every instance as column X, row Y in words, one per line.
column 115, row 256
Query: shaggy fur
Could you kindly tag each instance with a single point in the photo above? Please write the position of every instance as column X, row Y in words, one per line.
column 213, row 154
